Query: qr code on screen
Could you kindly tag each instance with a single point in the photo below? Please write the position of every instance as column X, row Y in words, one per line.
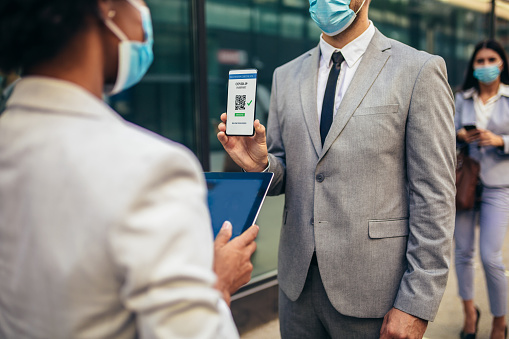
column 240, row 102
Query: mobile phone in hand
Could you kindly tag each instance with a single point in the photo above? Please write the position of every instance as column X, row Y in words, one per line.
column 470, row 127
column 241, row 102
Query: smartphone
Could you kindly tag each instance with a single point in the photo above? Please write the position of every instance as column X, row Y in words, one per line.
column 241, row 102
column 469, row 127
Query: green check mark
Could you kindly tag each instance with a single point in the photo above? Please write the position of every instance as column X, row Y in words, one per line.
column 249, row 103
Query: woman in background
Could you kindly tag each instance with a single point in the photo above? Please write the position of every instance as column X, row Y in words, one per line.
column 482, row 122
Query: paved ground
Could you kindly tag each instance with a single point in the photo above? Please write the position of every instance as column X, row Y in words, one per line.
column 256, row 315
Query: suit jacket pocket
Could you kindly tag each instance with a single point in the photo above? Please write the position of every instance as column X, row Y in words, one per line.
column 387, row 109
column 390, row 228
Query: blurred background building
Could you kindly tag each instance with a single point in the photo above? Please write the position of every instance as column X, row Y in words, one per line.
column 198, row 41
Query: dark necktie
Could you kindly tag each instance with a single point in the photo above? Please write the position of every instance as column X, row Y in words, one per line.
column 330, row 95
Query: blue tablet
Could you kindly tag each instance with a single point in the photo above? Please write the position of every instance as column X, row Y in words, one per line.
column 236, row 197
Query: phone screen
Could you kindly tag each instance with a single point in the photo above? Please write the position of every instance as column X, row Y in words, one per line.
column 241, row 102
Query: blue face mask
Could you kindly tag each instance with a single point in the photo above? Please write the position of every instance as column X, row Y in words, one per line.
column 332, row 16
column 487, row 74
column 135, row 57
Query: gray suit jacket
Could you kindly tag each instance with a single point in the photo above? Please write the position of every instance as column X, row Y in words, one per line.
column 494, row 161
column 377, row 201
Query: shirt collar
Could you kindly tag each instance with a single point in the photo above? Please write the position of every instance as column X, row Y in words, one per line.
column 351, row 52
column 54, row 95
column 503, row 90
column 469, row 93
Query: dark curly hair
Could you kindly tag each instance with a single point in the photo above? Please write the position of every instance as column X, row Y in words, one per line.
column 470, row 81
column 34, row 31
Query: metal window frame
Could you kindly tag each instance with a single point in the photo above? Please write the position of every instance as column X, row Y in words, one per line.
column 200, row 82
column 493, row 20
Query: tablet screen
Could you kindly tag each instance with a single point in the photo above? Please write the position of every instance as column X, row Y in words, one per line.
column 236, row 197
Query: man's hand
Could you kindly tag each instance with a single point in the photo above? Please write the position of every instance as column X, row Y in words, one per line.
column 250, row 153
column 232, row 259
column 401, row 325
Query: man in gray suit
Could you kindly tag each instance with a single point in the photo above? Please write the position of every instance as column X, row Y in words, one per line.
column 362, row 143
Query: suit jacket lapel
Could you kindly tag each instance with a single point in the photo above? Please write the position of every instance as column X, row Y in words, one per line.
column 468, row 114
column 308, row 82
column 497, row 117
column 371, row 65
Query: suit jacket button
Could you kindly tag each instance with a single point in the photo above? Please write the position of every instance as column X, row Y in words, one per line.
column 320, row 177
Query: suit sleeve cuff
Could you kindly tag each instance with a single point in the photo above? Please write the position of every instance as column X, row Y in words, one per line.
column 420, row 309
column 268, row 165
column 227, row 329
column 266, row 168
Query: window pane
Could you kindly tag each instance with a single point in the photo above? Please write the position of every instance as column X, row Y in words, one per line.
column 162, row 102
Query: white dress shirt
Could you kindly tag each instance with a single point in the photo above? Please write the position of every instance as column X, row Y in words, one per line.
column 352, row 53
column 104, row 227
column 483, row 111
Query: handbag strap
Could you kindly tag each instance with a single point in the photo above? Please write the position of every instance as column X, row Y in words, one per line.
column 465, row 149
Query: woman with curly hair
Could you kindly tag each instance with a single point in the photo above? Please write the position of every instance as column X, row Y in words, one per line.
column 104, row 227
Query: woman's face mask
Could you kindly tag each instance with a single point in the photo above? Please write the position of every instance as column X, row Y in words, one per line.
column 487, row 74
column 135, row 57
column 487, row 66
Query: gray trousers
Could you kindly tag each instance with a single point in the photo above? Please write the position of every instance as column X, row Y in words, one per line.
column 313, row 316
column 493, row 221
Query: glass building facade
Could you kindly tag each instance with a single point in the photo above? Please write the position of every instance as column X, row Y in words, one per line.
column 265, row 34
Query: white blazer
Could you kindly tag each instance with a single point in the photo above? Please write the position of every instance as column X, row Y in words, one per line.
column 104, row 228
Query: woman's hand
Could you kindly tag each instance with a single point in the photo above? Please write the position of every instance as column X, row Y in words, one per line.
column 232, row 259
column 468, row 136
column 488, row 138
column 250, row 153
